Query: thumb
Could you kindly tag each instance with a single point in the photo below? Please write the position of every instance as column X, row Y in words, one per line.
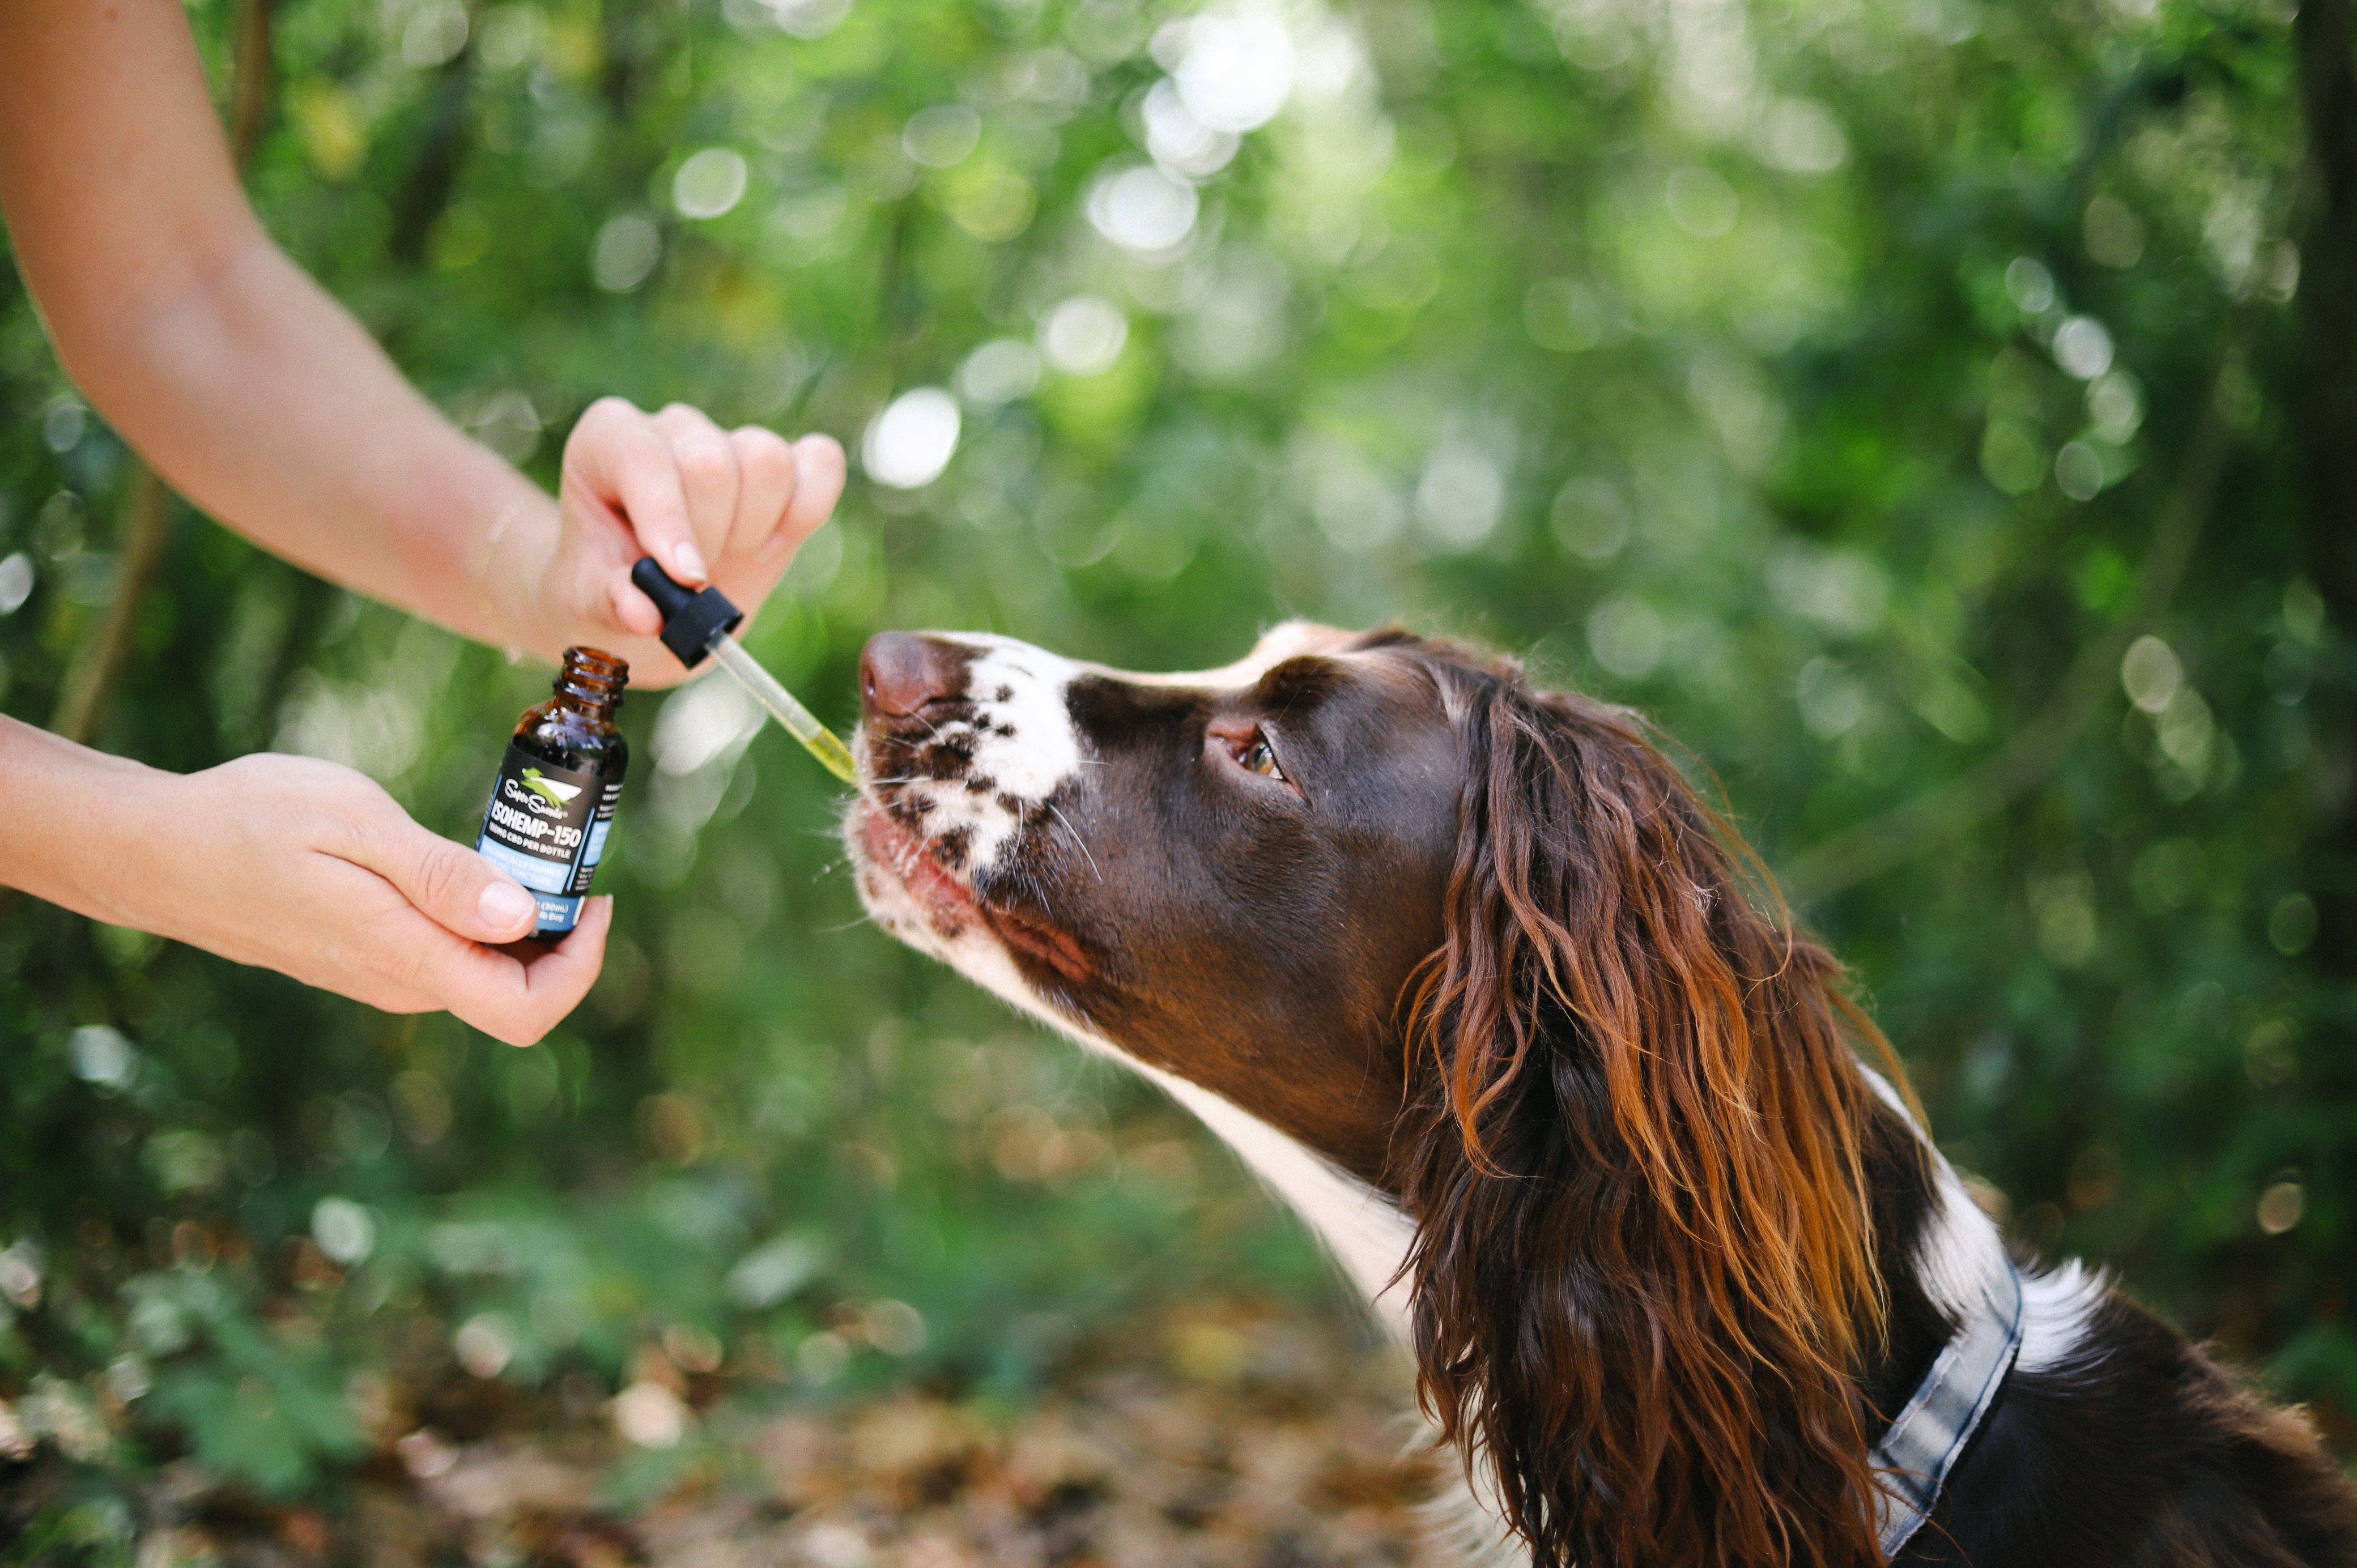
column 457, row 888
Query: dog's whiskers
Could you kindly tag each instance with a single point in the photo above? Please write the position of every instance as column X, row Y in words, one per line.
column 1076, row 839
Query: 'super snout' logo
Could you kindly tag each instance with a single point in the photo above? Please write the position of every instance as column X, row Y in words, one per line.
column 537, row 792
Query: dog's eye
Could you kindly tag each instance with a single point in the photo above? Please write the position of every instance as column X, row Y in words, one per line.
column 1258, row 759
column 1238, row 742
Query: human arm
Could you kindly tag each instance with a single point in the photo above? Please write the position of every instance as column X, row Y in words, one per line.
column 295, row 865
column 265, row 402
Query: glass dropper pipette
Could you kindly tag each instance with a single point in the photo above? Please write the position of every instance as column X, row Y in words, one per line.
column 696, row 623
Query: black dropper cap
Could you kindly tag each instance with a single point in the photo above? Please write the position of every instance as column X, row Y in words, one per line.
column 690, row 620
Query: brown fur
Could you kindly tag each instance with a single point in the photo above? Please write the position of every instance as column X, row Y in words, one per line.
column 1661, row 1359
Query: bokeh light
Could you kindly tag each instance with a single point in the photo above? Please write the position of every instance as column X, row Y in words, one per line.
column 1143, row 209
column 627, row 250
column 709, row 183
column 1084, row 335
column 1237, row 69
column 912, row 440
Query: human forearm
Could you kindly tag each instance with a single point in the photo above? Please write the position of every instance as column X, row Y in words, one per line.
column 249, row 388
column 264, row 402
column 260, row 399
column 64, row 837
column 291, row 863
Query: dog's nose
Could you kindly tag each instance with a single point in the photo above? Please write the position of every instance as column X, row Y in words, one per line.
column 899, row 672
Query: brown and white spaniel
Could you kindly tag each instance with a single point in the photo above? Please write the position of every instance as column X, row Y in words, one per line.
column 1473, row 979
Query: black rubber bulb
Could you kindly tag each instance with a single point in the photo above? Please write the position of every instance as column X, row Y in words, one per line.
column 692, row 619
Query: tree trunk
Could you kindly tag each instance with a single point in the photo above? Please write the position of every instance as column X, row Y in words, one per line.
column 2326, row 422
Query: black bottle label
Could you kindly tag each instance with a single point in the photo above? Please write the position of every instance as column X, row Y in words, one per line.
column 546, row 827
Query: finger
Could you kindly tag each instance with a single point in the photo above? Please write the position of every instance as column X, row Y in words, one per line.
column 635, row 611
column 455, row 887
column 384, row 951
column 765, row 463
column 375, row 947
column 407, row 955
column 562, row 974
column 818, row 485
column 625, row 466
column 707, row 476
column 534, row 987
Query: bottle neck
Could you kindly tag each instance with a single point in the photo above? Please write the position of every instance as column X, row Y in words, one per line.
column 591, row 682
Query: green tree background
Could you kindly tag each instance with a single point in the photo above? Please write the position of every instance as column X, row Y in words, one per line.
column 1938, row 413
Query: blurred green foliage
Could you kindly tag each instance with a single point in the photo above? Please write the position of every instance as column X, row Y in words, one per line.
column 1815, row 374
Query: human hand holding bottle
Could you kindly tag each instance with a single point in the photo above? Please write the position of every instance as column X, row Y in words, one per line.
column 295, row 865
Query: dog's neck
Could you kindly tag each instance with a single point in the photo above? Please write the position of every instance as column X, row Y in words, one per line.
column 1936, row 1247
column 1932, row 1244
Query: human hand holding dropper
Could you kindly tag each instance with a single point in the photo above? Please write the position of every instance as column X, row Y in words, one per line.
column 249, row 388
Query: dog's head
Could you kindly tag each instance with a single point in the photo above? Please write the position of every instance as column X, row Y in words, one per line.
column 1480, row 945
column 1226, row 876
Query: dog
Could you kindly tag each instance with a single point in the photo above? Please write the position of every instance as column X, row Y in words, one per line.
column 1471, row 977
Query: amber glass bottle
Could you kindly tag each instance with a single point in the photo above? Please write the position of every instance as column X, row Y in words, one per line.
column 557, row 791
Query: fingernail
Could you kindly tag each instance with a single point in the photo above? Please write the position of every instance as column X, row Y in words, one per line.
column 689, row 560
column 504, row 904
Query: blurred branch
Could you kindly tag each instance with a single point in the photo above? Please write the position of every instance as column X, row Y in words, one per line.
column 1913, row 827
column 442, row 151
column 97, row 663
column 254, row 83
column 313, row 597
column 2328, row 293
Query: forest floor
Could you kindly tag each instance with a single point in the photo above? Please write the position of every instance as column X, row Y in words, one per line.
column 1222, row 1436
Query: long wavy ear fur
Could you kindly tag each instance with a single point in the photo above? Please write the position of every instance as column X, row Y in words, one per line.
column 1643, row 1279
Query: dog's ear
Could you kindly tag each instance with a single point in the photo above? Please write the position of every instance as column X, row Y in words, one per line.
column 1643, row 1279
